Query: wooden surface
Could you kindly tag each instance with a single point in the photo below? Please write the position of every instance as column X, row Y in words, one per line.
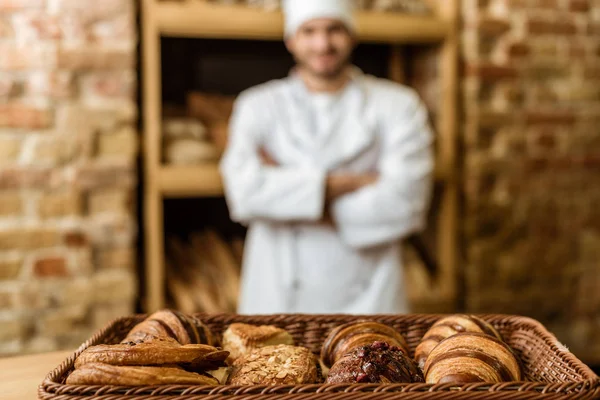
column 21, row 376
column 205, row 20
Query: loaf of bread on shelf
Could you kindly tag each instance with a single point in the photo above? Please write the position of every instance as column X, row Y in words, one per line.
column 106, row 374
column 376, row 363
column 184, row 328
column 276, row 365
column 239, row 338
column 472, row 357
column 347, row 337
column 450, row 326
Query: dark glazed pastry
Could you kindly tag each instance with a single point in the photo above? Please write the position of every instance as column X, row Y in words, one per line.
column 377, row 363
column 347, row 337
column 447, row 327
column 472, row 357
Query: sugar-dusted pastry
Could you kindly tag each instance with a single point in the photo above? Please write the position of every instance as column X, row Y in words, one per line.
column 347, row 337
column 240, row 338
column 105, row 374
column 186, row 329
column 376, row 363
column 472, row 357
column 164, row 351
column 450, row 326
column 275, row 365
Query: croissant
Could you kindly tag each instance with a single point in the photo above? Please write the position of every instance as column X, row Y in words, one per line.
column 158, row 352
column 472, row 357
column 105, row 374
column 184, row 328
column 347, row 337
column 447, row 327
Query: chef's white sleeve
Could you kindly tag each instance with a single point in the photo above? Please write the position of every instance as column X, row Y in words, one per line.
column 254, row 190
column 396, row 205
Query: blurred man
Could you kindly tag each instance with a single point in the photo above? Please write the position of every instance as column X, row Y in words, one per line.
column 330, row 168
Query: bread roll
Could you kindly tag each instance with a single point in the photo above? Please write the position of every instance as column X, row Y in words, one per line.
column 375, row 363
column 472, row 357
column 275, row 365
column 240, row 338
column 450, row 326
column 347, row 337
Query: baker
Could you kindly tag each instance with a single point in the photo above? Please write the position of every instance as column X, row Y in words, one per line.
column 330, row 168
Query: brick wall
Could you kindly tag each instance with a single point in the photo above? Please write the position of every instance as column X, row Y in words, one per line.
column 531, row 93
column 68, row 144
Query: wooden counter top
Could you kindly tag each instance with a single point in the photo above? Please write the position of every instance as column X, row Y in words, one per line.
column 21, row 376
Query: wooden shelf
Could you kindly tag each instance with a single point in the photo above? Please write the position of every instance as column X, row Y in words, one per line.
column 194, row 18
column 205, row 180
column 190, row 181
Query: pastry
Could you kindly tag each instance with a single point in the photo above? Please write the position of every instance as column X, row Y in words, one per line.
column 240, row 338
column 345, row 338
column 447, row 327
column 105, row 374
column 184, row 328
column 472, row 357
column 275, row 365
column 376, row 363
column 164, row 351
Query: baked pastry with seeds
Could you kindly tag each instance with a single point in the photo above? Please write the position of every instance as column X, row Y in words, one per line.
column 240, row 338
column 275, row 365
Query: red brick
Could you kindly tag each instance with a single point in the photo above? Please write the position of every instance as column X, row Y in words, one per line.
column 592, row 72
column 26, row 178
column 109, row 85
column 24, row 116
column 121, row 28
column 55, row 267
column 35, row 26
column 15, row 5
column 96, row 57
column 31, row 56
column 579, row 5
column 6, row 30
column 104, row 176
column 491, row 72
column 546, row 27
column 76, row 239
column 519, row 50
column 8, row 86
column 550, row 117
column 490, row 26
column 545, row 4
column 55, row 84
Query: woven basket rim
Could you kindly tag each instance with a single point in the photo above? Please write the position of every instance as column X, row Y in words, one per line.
column 589, row 387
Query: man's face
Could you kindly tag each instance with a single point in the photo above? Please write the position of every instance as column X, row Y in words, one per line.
column 322, row 46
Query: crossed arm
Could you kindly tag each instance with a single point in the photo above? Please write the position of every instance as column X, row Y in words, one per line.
column 367, row 210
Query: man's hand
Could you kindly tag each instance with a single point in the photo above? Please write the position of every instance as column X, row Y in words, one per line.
column 341, row 184
column 266, row 158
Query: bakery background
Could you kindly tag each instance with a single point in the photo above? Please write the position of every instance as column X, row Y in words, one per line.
column 73, row 176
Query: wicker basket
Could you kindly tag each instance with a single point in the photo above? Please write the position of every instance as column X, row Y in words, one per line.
column 551, row 371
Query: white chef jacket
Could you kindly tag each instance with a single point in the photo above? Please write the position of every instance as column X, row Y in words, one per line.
column 292, row 263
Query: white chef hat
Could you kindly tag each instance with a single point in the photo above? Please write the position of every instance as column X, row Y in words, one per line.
column 297, row 12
